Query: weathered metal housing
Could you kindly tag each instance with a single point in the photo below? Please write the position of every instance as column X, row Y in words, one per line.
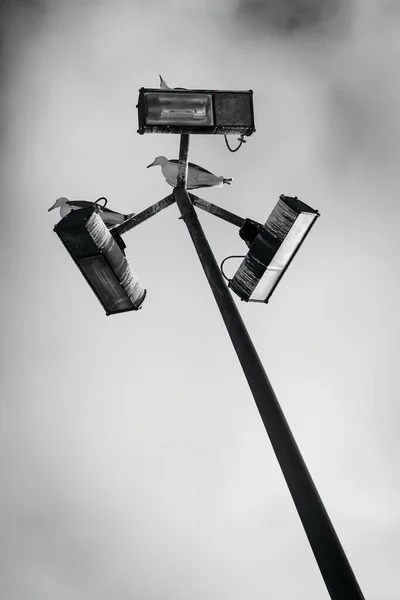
column 224, row 112
column 99, row 255
column 272, row 248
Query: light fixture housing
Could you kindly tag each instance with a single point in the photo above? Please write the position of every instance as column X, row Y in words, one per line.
column 99, row 255
column 272, row 248
column 195, row 111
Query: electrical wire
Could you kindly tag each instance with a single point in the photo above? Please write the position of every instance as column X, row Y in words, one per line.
column 102, row 198
column 240, row 139
column 225, row 259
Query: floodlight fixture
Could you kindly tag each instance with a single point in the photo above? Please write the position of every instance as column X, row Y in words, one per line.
column 195, row 111
column 99, row 254
column 272, row 248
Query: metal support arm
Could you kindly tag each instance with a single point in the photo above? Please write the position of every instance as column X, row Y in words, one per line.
column 144, row 215
column 213, row 209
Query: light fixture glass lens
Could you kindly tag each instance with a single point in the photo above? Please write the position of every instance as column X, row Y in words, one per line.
column 178, row 109
column 286, row 250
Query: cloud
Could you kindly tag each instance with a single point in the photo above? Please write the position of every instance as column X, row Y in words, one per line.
column 363, row 95
column 20, row 22
column 346, row 51
column 289, row 17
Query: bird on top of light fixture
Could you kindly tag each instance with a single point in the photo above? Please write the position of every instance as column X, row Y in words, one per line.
column 165, row 86
column 197, row 177
column 110, row 217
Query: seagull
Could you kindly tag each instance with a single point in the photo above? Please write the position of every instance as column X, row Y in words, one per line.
column 110, row 217
column 165, row 86
column 197, row 176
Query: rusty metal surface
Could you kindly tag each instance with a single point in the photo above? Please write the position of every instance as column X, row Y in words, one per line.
column 71, row 230
column 193, row 130
column 144, row 215
column 253, row 267
column 213, row 209
column 234, row 109
column 101, row 260
column 281, row 219
column 116, row 259
column 266, row 245
column 285, row 214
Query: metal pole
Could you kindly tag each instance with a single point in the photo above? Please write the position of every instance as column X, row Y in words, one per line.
column 183, row 161
column 329, row 554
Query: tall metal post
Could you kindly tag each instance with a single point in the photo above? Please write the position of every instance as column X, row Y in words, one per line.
column 329, row 554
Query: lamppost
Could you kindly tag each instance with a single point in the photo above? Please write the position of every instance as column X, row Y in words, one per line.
column 271, row 248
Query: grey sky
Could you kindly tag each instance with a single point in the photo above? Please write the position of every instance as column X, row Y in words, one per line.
column 133, row 461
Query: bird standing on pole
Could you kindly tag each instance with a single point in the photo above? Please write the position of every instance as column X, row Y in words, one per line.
column 197, row 176
column 110, row 217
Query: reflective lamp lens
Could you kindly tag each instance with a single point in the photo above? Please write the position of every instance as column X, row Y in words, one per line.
column 283, row 256
column 178, row 109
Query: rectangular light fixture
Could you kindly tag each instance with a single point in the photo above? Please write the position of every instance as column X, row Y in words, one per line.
column 272, row 248
column 195, row 111
column 100, row 257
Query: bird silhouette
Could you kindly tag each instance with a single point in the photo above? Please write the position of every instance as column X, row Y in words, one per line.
column 110, row 217
column 197, row 176
column 165, row 86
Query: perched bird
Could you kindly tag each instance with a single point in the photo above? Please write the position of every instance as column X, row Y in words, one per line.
column 165, row 86
column 197, row 177
column 110, row 217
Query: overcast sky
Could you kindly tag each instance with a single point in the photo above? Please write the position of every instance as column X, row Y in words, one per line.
column 134, row 464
